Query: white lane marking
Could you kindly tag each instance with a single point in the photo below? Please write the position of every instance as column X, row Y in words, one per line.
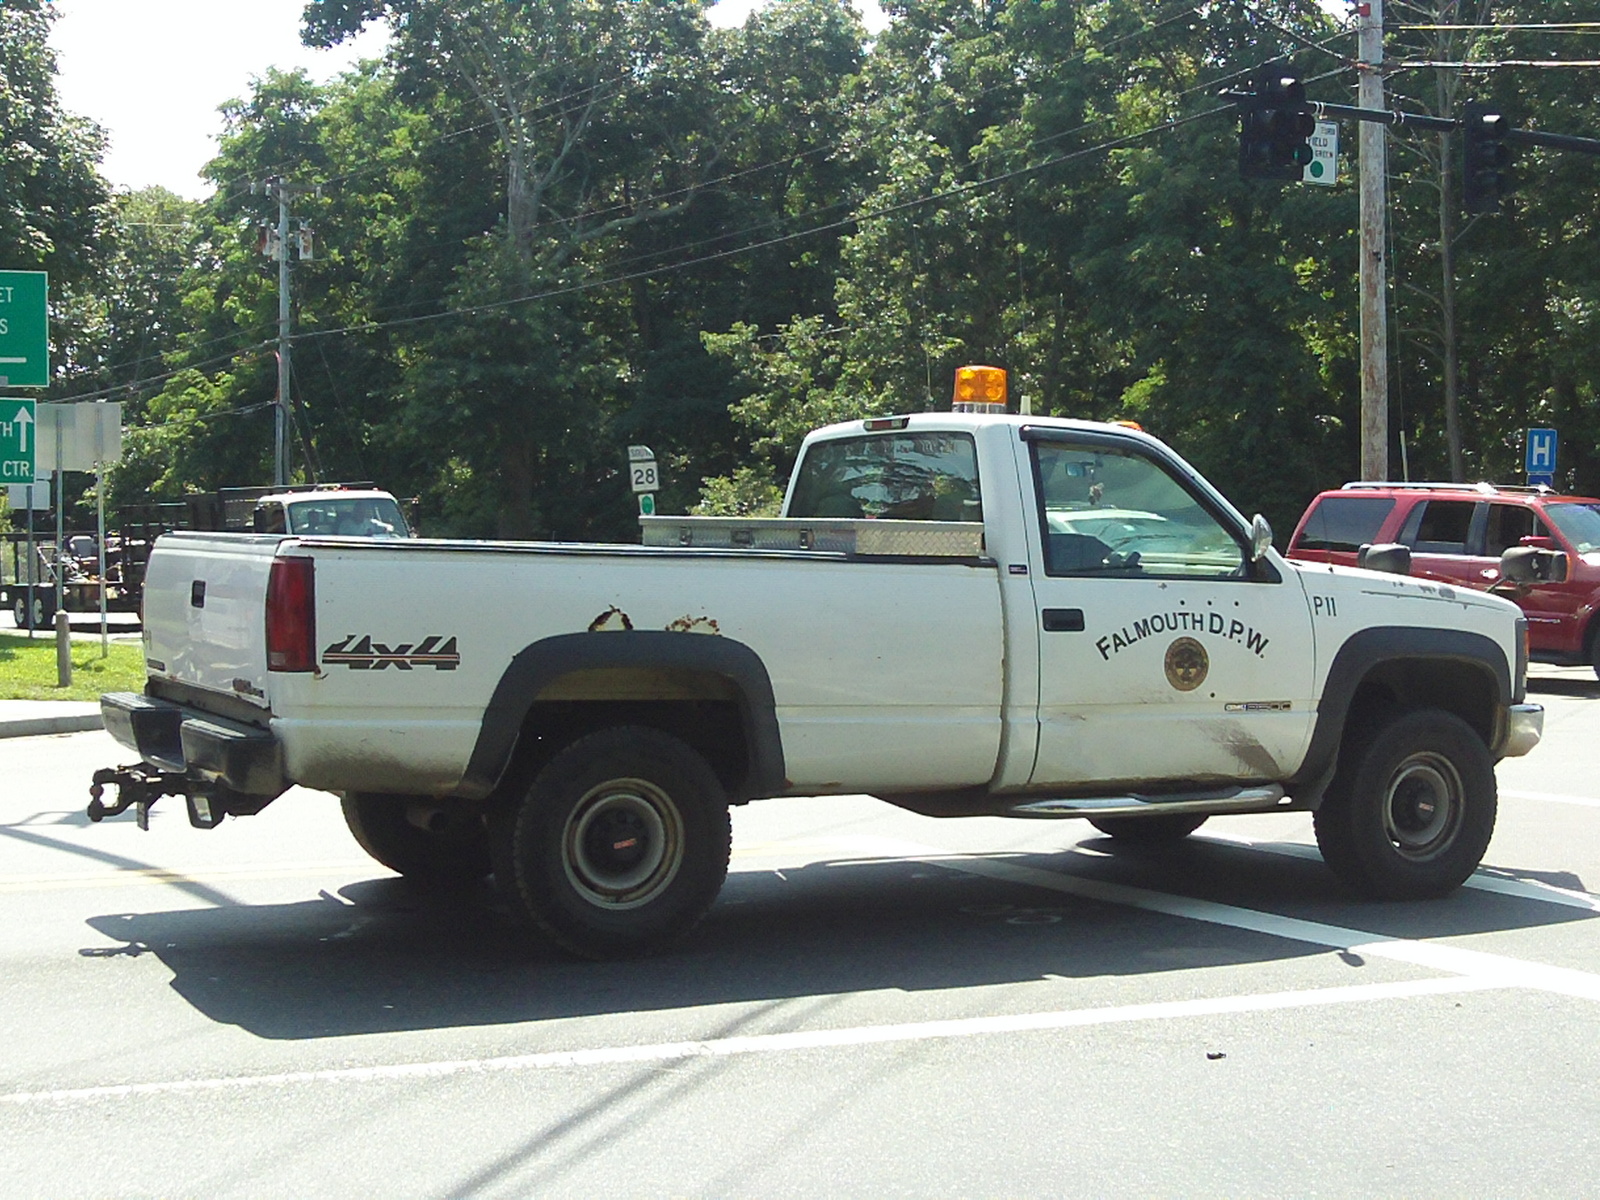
column 1553, row 798
column 773, row 1043
column 1514, row 972
column 1483, row 881
column 148, row 876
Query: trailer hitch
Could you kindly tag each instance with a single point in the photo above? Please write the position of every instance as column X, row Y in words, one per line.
column 139, row 787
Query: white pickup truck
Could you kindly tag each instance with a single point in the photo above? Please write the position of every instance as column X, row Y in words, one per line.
column 961, row 613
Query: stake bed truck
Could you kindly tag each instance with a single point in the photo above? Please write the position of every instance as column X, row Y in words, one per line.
column 960, row 613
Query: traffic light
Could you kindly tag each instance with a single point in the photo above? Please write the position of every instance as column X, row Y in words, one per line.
column 1274, row 130
column 1486, row 177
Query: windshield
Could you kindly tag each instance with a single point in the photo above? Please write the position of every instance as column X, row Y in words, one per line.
column 347, row 516
column 1578, row 523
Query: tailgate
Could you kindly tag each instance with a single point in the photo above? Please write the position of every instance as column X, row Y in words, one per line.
column 205, row 598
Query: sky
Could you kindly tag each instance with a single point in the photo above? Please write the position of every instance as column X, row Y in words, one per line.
column 153, row 73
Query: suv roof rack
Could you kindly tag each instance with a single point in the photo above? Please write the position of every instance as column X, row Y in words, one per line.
column 1482, row 487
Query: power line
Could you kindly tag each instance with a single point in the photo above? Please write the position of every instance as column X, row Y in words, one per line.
column 375, row 326
column 1499, row 64
column 855, row 219
column 1554, row 27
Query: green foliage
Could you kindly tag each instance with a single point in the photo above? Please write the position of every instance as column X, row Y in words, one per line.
column 551, row 229
column 749, row 492
column 52, row 200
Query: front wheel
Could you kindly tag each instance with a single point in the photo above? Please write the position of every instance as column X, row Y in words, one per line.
column 619, row 846
column 1157, row 830
column 1411, row 810
column 454, row 850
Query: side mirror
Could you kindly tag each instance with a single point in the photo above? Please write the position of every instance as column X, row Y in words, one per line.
column 1532, row 564
column 1538, row 542
column 1391, row 557
column 1260, row 538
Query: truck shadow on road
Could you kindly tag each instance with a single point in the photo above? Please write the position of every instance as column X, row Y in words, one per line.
column 381, row 955
column 1579, row 687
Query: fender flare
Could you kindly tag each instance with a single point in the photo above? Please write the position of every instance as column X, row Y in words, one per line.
column 537, row 666
column 1356, row 659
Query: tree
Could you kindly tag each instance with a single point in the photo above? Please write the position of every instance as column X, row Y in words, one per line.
column 1502, row 334
column 600, row 113
column 52, row 199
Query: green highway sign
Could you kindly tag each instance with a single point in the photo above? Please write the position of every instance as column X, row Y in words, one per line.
column 24, row 329
column 18, row 440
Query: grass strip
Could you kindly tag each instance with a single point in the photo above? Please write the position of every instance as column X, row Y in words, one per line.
column 28, row 669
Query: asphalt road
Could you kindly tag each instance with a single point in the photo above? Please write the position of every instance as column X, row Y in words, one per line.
column 880, row 1004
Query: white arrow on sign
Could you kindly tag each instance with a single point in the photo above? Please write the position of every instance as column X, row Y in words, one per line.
column 22, row 418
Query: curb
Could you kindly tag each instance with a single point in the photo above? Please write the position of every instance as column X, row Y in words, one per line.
column 36, row 726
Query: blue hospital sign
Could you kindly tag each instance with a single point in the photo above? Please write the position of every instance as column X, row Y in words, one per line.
column 1541, row 459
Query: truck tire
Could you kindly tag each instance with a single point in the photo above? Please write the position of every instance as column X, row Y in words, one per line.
column 1157, row 830
column 1411, row 809
column 618, row 847
column 456, row 854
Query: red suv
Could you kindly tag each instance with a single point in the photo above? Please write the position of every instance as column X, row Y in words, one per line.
column 1456, row 533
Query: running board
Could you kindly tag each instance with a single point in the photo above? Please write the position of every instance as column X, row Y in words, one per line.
column 1224, row 800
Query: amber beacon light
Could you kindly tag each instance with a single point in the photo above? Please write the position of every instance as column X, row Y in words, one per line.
column 980, row 390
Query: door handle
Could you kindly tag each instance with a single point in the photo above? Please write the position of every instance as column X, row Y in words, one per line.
column 1063, row 620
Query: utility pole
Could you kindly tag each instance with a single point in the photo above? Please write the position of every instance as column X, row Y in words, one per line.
column 1374, row 266
column 275, row 244
column 280, row 413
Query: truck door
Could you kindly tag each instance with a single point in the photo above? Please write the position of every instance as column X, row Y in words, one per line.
column 1164, row 654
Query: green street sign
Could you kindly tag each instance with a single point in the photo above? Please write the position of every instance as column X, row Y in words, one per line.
column 18, row 440
column 24, row 329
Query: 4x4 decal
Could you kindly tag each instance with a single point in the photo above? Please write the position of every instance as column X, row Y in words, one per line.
column 368, row 655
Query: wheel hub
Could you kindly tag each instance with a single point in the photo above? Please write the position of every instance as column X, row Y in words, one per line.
column 623, row 844
column 1422, row 811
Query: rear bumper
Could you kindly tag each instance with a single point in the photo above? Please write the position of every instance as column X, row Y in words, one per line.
column 1524, row 728
column 209, row 749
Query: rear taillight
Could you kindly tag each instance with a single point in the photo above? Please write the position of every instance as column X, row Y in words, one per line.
column 292, row 615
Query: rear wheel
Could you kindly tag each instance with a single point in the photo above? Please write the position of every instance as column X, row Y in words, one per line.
column 452, row 850
column 1155, row 830
column 619, row 846
column 1411, row 810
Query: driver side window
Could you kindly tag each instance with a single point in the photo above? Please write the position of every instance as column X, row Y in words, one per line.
column 1109, row 511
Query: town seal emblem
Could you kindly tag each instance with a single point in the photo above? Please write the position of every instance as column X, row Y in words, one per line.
column 1187, row 664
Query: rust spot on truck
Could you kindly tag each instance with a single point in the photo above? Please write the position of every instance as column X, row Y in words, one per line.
column 688, row 624
column 610, row 621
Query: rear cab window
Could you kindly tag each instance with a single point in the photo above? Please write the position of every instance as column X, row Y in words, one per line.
column 900, row 476
column 1344, row 524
